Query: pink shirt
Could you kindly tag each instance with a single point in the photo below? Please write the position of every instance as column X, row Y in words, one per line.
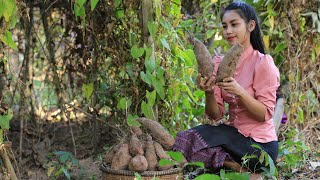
column 259, row 76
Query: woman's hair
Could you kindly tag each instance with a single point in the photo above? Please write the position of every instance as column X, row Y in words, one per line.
column 248, row 13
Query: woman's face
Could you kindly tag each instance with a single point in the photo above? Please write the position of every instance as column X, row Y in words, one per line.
column 235, row 29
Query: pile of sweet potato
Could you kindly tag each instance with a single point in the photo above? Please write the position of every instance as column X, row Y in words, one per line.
column 142, row 151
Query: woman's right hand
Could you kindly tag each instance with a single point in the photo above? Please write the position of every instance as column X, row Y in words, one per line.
column 206, row 84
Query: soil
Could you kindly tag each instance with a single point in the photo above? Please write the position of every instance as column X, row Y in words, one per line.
column 40, row 140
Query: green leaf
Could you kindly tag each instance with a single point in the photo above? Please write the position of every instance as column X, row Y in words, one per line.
column 237, row 176
column 158, row 86
column 79, row 11
column 136, row 52
column 222, row 174
column 207, row 177
column 9, row 9
column 313, row 56
column 280, row 47
column 147, row 110
column 87, row 89
column 157, row 4
column 188, row 56
column 80, row 3
column 152, row 27
column 256, row 146
column 66, row 173
column 261, row 158
column 59, row 153
column 210, row 33
column 5, row 119
column 177, row 156
column 1, row 135
column 64, row 158
column 59, row 172
column 200, row 164
column 137, row 176
column 93, row 4
column 164, row 162
column 273, row 169
column 249, row 156
column 117, row 3
column 7, row 40
column 150, row 65
column 165, row 43
column 148, row 52
column 2, row 7
column 151, row 97
column 186, row 103
column 124, row 103
column 300, row 118
column 131, row 120
column 120, row 13
column 145, row 77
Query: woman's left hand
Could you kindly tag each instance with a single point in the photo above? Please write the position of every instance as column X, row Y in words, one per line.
column 231, row 86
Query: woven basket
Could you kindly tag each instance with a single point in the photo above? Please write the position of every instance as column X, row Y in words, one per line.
column 111, row 174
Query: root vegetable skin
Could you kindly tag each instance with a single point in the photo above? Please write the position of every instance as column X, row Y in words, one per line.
column 109, row 156
column 162, row 155
column 158, row 132
column 122, row 158
column 138, row 163
column 150, row 155
column 135, row 147
column 229, row 62
column 203, row 57
column 160, row 152
column 136, row 130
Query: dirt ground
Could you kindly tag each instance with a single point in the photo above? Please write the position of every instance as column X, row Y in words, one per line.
column 41, row 141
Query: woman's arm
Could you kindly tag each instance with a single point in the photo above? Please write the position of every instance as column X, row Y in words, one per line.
column 254, row 106
column 211, row 107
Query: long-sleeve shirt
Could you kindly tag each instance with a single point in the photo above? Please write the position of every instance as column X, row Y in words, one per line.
column 259, row 76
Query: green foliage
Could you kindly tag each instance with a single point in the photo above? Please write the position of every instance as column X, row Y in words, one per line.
column 294, row 154
column 136, row 52
column 93, row 4
column 87, row 89
column 5, row 120
column 8, row 10
column 207, row 177
column 233, row 175
column 131, row 120
column 7, row 40
column 61, row 168
column 5, row 123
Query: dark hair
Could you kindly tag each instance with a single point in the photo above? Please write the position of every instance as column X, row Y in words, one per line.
column 248, row 13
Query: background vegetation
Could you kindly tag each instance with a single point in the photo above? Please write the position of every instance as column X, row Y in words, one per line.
column 76, row 73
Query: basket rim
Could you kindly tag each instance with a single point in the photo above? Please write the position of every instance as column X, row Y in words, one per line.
column 107, row 169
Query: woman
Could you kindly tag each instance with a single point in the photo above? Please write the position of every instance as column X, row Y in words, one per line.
column 251, row 95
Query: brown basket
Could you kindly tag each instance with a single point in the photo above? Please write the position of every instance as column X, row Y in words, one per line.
column 111, row 174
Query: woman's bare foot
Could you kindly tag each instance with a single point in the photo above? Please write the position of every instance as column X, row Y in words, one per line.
column 238, row 168
column 255, row 176
column 235, row 166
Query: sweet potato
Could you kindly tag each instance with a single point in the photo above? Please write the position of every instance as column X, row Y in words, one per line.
column 162, row 155
column 110, row 154
column 138, row 163
column 158, row 132
column 229, row 62
column 203, row 57
column 136, row 130
column 122, row 158
column 150, row 155
column 160, row 152
column 135, row 146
